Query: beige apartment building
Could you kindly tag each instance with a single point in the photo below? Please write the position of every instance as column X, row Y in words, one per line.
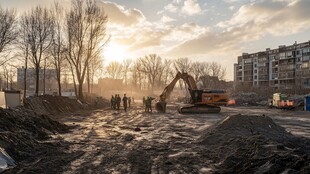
column 286, row 67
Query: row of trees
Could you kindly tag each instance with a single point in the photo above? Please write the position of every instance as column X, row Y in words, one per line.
column 153, row 72
column 71, row 38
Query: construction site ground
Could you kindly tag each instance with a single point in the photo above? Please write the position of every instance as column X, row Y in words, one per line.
column 109, row 141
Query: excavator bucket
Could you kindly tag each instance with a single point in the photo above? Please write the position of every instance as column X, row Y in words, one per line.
column 161, row 106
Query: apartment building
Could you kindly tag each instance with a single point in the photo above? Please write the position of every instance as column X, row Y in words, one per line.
column 285, row 67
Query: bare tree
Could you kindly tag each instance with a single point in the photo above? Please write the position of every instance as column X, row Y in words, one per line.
column 217, row 70
column 136, row 75
column 182, row 65
column 57, row 49
column 24, row 48
column 39, row 31
column 199, row 69
column 8, row 31
column 95, row 70
column 114, row 70
column 126, row 69
column 86, row 24
column 151, row 65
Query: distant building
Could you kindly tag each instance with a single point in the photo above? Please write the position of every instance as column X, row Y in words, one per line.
column 50, row 80
column 110, row 86
column 286, row 67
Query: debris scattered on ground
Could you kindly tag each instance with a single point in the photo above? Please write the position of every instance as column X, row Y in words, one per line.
column 250, row 99
column 25, row 134
column 21, row 130
column 107, row 141
column 247, row 144
column 6, row 161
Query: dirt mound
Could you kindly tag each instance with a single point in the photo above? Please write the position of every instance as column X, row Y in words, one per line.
column 248, row 144
column 250, row 99
column 47, row 104
column 21, row 130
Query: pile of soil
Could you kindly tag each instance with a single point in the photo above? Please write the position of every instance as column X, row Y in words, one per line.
column 249, row 99
column 47, row 104
column 25, row 136
column 21, row 130
column 249, row 144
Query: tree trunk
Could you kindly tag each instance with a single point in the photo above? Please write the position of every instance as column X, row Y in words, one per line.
column 7, row 81
column 44, row 76
column 74, row 82
column 25, row 77
column 37, row 69
column 88, row 80
column 59, row 81
column 80, row 94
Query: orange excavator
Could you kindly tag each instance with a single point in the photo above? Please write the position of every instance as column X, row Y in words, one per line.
column 202, row 101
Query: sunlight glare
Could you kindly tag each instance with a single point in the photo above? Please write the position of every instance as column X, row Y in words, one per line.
column 114, row 52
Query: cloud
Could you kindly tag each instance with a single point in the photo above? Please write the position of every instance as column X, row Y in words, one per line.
column 119, row 15
column 171, row 8
column 251, row 22
column 232, row 7
column 187, row 7
column 191, row 7
column 146, row 36
column 167, row 19
column 278, row 18
column 232, row 1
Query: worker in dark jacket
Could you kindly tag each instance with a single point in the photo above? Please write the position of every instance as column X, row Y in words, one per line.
column 144, row 101
column 118, row 101
column 125, row 99
column 148, row 104
column 112, row 102
column 129, row 102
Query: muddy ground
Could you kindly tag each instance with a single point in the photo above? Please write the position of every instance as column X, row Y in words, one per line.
column 108, row 141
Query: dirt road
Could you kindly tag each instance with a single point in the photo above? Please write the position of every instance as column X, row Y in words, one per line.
column 138, row 142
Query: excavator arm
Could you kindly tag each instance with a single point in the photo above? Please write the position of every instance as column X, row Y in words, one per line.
column 188, row 79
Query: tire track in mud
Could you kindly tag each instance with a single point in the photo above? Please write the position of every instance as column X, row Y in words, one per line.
column 136, row 142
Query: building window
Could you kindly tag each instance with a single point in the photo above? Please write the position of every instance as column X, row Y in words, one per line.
column 282, row 55
column 248, row 61
column 298, row 52
column 289, row 54
column 298, row 59
column 298, row 66
column 305, row 65
column 306, row 50
column 305, row 58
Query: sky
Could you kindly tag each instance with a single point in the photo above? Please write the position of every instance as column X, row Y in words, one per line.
column 202, row 30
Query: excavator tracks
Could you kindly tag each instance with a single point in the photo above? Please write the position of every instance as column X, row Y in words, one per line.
column 198, row 109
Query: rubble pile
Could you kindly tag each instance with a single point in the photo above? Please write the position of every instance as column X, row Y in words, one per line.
column 21, row 130
column 48, row 104
column 25, row 134
column 250, row 99
column 249, row 144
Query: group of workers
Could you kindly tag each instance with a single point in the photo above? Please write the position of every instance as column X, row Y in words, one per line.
column 147, row 103
column 116, row 102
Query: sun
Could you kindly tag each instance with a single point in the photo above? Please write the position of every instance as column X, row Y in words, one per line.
column 114, row 52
